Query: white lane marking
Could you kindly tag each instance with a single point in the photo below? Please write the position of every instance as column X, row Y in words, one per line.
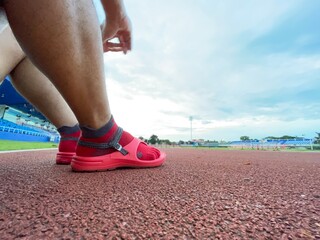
column 28, row 150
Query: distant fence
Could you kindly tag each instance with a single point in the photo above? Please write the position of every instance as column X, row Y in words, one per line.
column 259, row 144
column 273, row 144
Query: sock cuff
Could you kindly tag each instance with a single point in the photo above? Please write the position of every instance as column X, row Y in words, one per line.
column 88, row 132
column 69, row 130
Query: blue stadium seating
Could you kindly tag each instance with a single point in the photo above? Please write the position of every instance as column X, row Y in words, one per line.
column 12, row 131
column 20, row 106
column 10, row 97
column 299, row 142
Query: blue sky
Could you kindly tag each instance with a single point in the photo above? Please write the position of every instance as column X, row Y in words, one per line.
column 239, row 68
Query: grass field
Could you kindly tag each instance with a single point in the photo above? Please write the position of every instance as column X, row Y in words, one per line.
column 6, row 145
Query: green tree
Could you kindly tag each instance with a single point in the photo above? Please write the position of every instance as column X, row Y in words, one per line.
column 317, row 141
column 166, row 141
column 287, row 137
column 154, row 139
column 283, row 137
column 270, row 137
column 244, row 138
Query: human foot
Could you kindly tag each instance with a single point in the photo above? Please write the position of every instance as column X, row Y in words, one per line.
column 110, row 147
column 68, row 142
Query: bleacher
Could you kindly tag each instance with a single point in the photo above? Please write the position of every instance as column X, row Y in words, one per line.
column 13, row 107
column 13, row 131
column 273, row 143
column 7, row 126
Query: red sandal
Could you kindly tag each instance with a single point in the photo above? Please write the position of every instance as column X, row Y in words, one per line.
column 67, row 148
column 123, row 157
column 64, row 158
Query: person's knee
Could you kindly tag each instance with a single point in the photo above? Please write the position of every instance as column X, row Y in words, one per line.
column 11, row 52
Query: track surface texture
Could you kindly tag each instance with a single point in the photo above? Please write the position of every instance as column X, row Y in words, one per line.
column 196, row 194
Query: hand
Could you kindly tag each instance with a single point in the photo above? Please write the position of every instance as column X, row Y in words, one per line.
column 119, row 28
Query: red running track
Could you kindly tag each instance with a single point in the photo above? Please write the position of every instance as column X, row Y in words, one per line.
column 197, row 194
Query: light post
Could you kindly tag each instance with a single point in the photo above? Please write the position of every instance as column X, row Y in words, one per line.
column 191, row 118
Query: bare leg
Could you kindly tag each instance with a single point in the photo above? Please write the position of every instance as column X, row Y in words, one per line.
column 33, row 85
column 69, row 55
column 11, row 53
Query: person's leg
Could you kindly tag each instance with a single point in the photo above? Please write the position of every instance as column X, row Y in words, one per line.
column 64, row 40
column 11, row 53
column 32, row 84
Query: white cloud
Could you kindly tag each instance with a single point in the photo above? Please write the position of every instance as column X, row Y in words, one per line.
column 193, row 58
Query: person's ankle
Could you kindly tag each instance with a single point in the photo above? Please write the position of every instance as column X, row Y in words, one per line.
column 96, row 122
column 69, row 137
column 95, row 137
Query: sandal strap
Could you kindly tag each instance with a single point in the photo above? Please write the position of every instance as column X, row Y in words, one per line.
column 114, row 143
column 69, row 139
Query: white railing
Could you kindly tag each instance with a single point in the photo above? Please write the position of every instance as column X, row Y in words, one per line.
column 276, row 143
column 21, row 131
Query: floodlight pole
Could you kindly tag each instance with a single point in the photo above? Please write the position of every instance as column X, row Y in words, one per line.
column 191, row 118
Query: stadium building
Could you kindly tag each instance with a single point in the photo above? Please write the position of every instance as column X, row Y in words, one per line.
column 20, row 121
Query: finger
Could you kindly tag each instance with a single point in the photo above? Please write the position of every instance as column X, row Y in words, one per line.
column 112, row 47
column 112, row 44
column 124, row 41
column 127, row 39
column 120, row 43
column 114, row 50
